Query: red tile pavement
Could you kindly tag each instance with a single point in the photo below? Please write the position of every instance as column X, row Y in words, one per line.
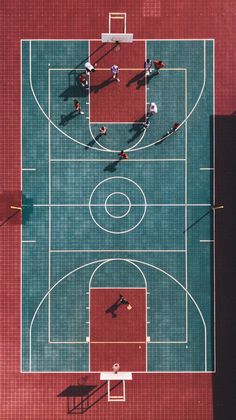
column 128, row 325
column 150, row 397
column 112, row 101
column 129, row 56
column 131, row 357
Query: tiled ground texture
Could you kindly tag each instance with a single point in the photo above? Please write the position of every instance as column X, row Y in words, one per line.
column 170, row 396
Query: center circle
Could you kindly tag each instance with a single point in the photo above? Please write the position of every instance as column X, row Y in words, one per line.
column 121, row 205
column 102, row 193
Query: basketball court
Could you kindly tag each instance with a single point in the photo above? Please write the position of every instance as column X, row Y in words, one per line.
column 117, row 257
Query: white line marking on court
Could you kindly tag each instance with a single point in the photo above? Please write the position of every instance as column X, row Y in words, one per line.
column 116, row 250
column 118, row 342
column 44, row 113
column 206, row 240
column 116, row 122
column 186, row 199
column 206, row 169
column 28, row 241
column 68, row 342
column 109, row 69
column 121, row 231
column 120, row 205
column 134, row 40
column 117, row 160
column 118, row 287
column 21, row 233
column 28, row 169
column 167, row 342
column 49, row 209
column 133, row 261
column 214, row 252
column 190, row 113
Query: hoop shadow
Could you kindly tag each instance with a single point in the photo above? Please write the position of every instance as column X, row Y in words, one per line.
column 86, row 393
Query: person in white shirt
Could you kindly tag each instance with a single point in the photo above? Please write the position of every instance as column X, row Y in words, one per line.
column 153, row 109
column 115, row 72
column 89, row 67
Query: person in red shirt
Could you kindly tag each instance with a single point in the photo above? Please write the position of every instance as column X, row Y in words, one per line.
column 77, row 106
column 103, row 131
column 173, row 128
column 123, row 155
column 158, row 64
column 83, row 79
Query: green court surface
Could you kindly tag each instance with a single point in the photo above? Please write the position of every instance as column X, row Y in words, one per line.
column 90, row 220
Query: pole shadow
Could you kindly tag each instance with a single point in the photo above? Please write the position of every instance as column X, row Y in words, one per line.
column 197, row 221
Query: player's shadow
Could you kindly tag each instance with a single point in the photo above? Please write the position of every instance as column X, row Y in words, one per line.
column 113, row 308
column 92, row 142
column 65, row 119
column 74, row 89
column 141, row 82
column 102, row 85
column 138, row 128
column 112, row 166
column 137, row 78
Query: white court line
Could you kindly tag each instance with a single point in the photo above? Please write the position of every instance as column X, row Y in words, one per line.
column 21, row 233
column 134, row 40
column 117, row 160
column 28, row 169
column 186, row 200
column 206, row 169
column 214, row 183
column 167, row 342
column 94, row 147
column 120, row 205
column 116, row 259
column 121, row 69
column 49, row 209
column 206, row 240
column 28, row 241
column 125, row 287
column 44, row 113
column 146, row 288
column 116, row 122
column 97, row 342
column 116, row 250
column 190, row 113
